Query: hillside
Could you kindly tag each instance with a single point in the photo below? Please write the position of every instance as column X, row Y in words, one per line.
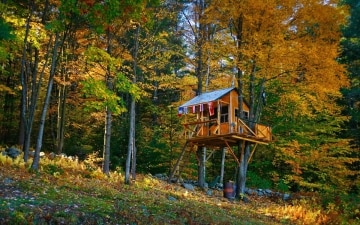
column 70, row 192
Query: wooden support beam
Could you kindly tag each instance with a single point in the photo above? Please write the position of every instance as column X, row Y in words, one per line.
column 246, row 126
column 250, row 139
column 178, row 162
column 232, row 152
column 211, row 153
column 252, row 153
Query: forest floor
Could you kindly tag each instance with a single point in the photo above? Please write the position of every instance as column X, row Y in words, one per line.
column 65, row 193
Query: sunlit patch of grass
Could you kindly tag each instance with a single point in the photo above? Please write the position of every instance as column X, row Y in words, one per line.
column 73, row 192
column 302, row 211
column 148, row 182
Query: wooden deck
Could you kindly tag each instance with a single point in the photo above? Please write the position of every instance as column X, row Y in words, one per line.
column 212, row 134
column 223, row 140
column 216, row 138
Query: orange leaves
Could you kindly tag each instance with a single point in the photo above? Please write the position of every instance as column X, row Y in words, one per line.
column 89, row 3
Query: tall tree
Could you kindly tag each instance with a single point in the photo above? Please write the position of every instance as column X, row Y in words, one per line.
column 196, row 36
column 131, row 153
column 158, row 61
column 32, row 72
column 57, row 45
column 350, row 56
column 280, row 43
column 58, row 27
column 110, row 20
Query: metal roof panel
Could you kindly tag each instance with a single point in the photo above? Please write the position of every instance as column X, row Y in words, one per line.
column 207, row 97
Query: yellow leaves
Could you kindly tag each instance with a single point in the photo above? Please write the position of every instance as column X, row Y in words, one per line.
column 164, row 34
column 188, row 80
column 6, row 89
column 296, row 103
column 95, row 54
column 37, row 33
column 149, row 182
column 17, row 22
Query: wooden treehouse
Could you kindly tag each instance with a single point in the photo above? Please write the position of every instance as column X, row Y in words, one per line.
column 211, row 120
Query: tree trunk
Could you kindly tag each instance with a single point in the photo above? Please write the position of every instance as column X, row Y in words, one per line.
column 199, row 41
column 244, row 154
column 133, row 159
column 131, row 154
column 223, row 153
column 131, row 144
column 252, row 97
column 245, row 147
column 201, row 155
column 242, row 146
column 107, row 138
column 60, row 123
column 30, row 90
column 24, row 126
column 62, row 94
column 34, row 93
column 108, row 116
column 35, row 164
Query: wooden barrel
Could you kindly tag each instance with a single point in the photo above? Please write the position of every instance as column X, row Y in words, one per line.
column 229, row 190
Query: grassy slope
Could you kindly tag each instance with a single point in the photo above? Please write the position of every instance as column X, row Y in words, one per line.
column 75, row 193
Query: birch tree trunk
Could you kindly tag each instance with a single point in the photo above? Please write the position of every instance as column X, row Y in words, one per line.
column 61, row 120
column 62, row 95
column 31, row 85
column 133, row 138
column 107, row 139
column 35, row 164
column 60, row 123
column 131, row 143
column 131, row 154
column 108, row 115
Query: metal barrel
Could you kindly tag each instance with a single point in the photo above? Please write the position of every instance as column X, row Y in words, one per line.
column 229, row 190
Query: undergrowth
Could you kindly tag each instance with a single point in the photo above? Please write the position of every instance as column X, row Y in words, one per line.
column 66, row 191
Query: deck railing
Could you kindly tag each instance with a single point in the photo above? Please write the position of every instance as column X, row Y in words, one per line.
column 207, row 128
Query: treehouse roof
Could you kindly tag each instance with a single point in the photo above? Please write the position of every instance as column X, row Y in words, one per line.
column 207, row 97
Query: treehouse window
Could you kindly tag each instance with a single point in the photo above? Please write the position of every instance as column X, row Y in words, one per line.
column 224, row 116
column 246, row 114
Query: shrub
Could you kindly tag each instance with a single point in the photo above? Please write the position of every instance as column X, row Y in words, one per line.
column 53, row 169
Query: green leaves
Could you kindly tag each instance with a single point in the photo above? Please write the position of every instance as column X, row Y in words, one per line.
column 102, row 97
column 104, row 92
column 122, row 84
column 97, row 55
column 5, row 31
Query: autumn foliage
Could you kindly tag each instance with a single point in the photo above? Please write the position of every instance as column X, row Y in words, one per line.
column 100, row 58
